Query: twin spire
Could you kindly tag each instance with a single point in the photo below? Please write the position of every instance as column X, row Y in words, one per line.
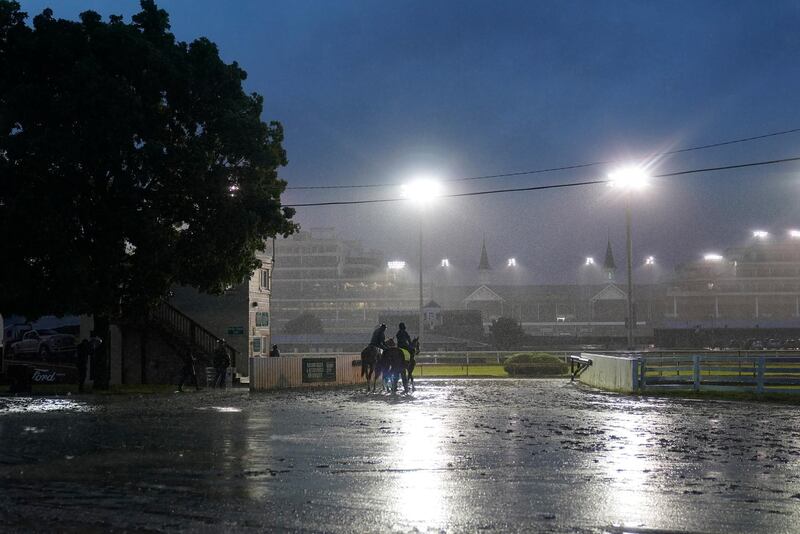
column 609, row 266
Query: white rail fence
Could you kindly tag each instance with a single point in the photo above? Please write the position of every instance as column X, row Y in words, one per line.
column 722, row 372
column 767, row 372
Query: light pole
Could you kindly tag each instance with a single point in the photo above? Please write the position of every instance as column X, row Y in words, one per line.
column 629, row 179
column 421, row 191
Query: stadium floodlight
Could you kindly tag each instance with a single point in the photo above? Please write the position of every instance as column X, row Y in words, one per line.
column 713, row 257
column 421, row 191
column 396, row 265
column 650, row 260
column 445, row 262
column 794, row 234
column 627, row 179
column 589, row 260
column 760, row 234
column 512, row 262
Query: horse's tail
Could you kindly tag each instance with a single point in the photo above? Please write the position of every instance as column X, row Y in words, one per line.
column 364, row 362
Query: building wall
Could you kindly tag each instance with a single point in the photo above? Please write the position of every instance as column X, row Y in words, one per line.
column 241, row 315
column 758, row 282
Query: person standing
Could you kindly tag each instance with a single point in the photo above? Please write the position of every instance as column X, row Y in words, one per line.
column 221, row 362
column 98, row 362
column 189, row 373
column 82, row 360
column 274, row 353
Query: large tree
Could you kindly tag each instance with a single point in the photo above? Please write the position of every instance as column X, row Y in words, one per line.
column 129, row 162
column 506, row 333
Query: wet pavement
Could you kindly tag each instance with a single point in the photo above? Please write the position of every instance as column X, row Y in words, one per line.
column 456, row 455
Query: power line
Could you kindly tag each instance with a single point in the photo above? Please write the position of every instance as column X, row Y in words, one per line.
column 552, row 186
column 553, row 169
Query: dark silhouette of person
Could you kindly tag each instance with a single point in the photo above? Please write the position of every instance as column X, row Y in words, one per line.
column 403, row 338
column 99, row 363
column 379, row 337
column 221, row 362
column 189, row 373
column 81, row 361
column 274, row 353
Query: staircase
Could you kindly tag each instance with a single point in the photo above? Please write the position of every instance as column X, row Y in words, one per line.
column 185, row 335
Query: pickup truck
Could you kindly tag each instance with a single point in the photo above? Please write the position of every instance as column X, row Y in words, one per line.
column 44, row 344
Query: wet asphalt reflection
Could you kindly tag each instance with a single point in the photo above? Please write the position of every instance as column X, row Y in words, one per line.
column 456, row 455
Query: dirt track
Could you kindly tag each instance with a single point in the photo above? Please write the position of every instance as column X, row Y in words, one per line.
column 457, row 455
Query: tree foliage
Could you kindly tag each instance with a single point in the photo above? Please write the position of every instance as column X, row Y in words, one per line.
column 129, row 162
column 506, row 333
column 305, row 323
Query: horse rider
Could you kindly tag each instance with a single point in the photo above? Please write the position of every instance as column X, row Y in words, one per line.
column 403, row 338
column 379, row 337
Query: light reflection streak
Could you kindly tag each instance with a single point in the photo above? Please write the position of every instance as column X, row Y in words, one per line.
column 35, row 405
column 626, row 466
column 421, row 462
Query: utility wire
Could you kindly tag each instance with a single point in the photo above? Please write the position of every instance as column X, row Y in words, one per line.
column 553, row 169
column 552, row 186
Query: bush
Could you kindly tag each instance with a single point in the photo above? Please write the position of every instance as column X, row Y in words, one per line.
column 535, row 364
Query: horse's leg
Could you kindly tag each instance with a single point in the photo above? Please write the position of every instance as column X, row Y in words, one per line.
column 404, row 374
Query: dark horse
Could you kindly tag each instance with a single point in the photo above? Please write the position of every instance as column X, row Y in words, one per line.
column 369, row 362
column 395, row 367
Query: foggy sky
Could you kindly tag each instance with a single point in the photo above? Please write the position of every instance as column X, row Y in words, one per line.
column 376, row 91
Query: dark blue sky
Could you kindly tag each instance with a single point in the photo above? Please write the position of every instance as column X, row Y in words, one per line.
column 374, row 91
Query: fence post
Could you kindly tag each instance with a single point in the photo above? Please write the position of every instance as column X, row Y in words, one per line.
column 642, row 374
column 696, row 371
column 467, row 364
column 760, row 375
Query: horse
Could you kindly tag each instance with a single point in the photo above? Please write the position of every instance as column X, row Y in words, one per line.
column 396, row 366
column 369, row 360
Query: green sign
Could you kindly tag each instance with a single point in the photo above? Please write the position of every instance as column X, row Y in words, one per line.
column 319, row 369
column 235, row 330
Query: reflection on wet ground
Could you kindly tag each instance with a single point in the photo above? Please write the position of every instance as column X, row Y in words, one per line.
column 457, row 455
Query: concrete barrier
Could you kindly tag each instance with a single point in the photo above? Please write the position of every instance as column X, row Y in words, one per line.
column 614, row 373
column 304, row 371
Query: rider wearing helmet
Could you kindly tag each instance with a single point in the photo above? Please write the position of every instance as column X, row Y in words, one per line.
column 379, row 337
column 403, row 338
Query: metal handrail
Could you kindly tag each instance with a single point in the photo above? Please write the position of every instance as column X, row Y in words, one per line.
column 190, row 330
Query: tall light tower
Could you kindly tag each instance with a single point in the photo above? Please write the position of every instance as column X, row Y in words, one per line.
column 421, row 192
column 629, row 179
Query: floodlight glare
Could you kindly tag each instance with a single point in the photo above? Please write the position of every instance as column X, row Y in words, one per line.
column 512, row 262
column 396, row 265
column 589, row 261
column 713, row 257
column 628, row 178
column 445, row 262
column 649, row 260
column 422, row 190
column 760, row 234
column 794, row 234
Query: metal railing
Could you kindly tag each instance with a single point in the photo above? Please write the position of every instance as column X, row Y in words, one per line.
column 180, row 324
column 742, row 371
